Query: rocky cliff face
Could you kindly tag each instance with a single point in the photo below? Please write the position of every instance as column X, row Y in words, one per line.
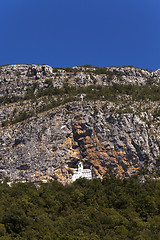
column 16, row 79
column 114, row 137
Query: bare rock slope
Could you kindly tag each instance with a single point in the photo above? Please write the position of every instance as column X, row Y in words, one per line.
column 117, row 137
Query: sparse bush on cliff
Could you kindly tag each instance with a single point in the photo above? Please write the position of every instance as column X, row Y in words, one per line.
column 22, row 116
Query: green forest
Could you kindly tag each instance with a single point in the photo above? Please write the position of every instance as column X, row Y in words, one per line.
column 95, row 209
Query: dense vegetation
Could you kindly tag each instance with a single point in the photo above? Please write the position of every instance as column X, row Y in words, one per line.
column 85, row 210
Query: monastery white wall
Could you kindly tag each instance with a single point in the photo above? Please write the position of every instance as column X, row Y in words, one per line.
column 81, row 173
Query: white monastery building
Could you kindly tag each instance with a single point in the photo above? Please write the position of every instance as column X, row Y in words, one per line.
column 81, row 173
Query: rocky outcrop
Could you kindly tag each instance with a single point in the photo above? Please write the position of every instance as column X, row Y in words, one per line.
column 43, row 137
column 16, row 80
column 50, row 145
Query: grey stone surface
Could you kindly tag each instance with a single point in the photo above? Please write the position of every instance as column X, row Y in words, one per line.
column 48, row 145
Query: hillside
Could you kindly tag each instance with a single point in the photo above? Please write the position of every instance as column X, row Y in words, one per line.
column 52, row 118
column 111, row 209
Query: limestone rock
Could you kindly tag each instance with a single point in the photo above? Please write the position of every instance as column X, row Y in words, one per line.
column 50, row 142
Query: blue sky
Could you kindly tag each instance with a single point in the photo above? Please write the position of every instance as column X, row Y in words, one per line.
column 65, row 33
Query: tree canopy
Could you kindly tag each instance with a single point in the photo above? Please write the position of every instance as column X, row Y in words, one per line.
column 87, row 209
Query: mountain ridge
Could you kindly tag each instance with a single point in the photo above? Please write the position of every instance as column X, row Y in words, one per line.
column 46, row 128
